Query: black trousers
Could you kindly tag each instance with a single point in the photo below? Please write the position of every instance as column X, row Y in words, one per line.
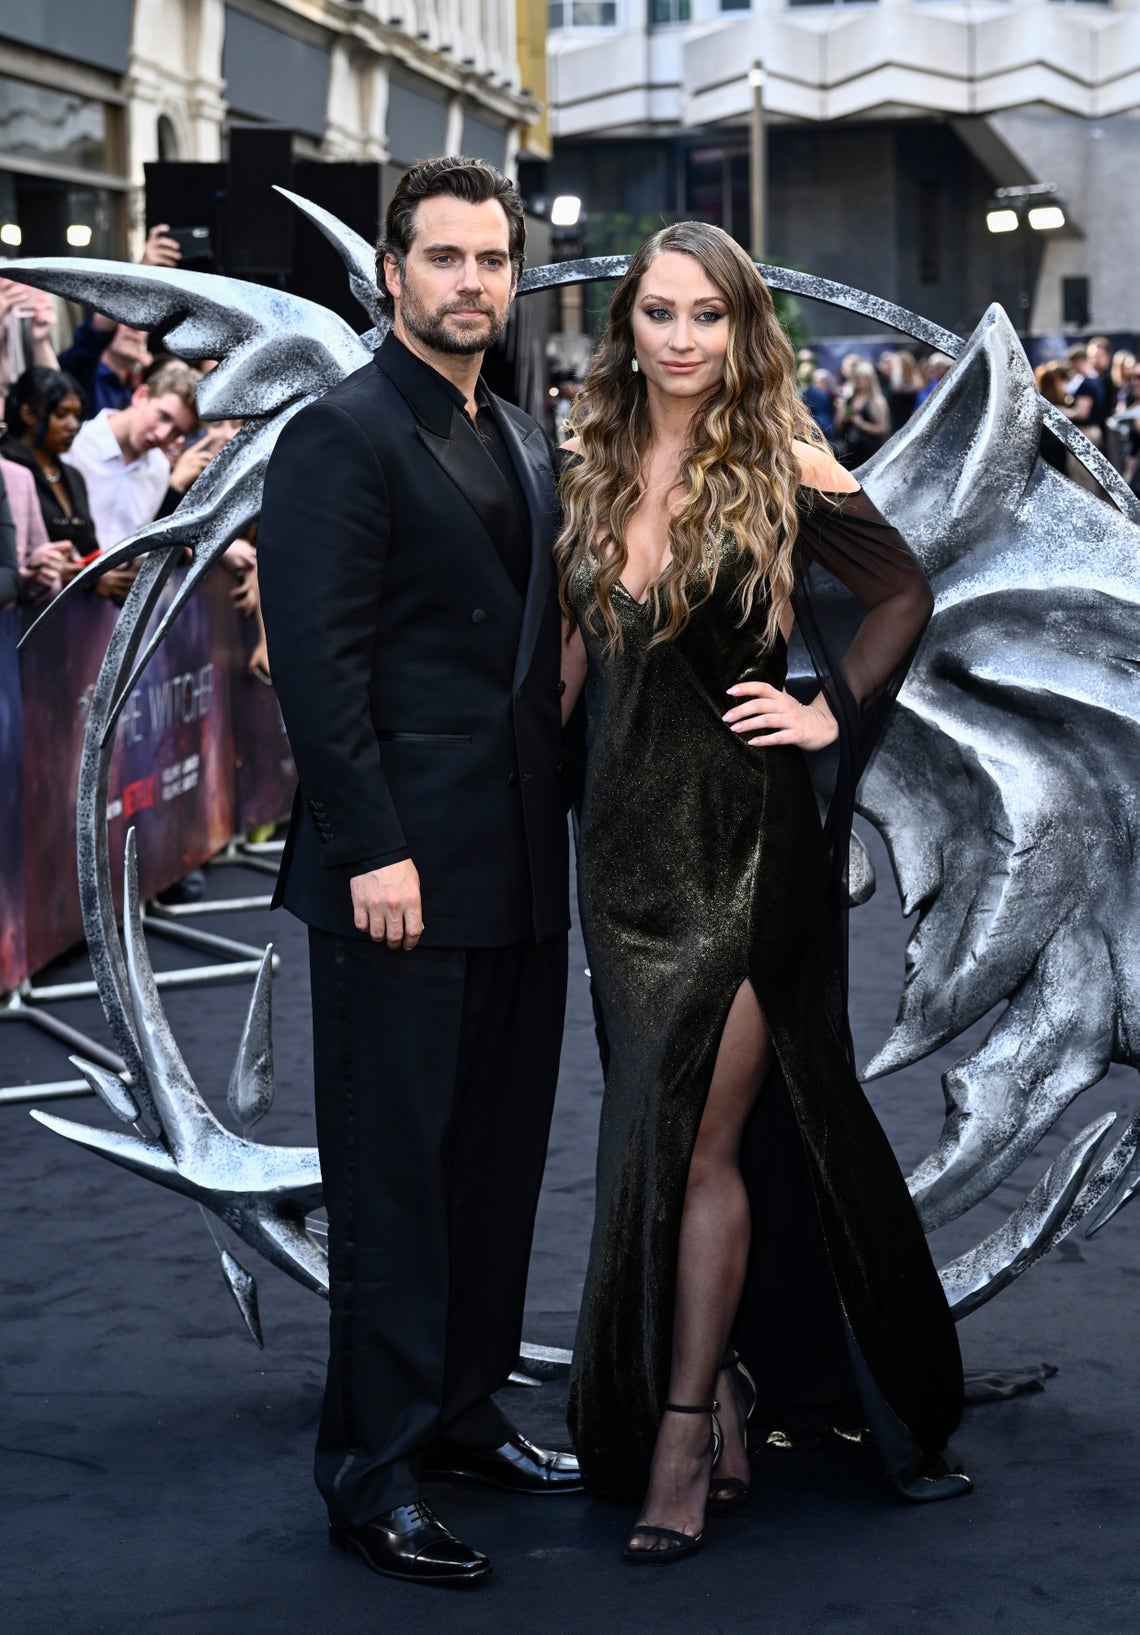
column 435, row 1074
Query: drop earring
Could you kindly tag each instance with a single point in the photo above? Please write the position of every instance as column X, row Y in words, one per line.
column 634, row 366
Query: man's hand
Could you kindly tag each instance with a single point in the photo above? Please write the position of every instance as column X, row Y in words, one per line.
column 386, row 904
column 160, row 250
column 781, row 718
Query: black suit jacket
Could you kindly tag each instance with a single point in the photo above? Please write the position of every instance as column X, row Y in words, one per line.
column 419, row 690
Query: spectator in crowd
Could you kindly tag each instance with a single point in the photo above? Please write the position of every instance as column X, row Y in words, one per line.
column 10, row 584
column 1100, row 363
column 109, row 359
column 818, row 393
column 862, row 418
column 934, row 371
column 241, row 559
column 27, row 319
column 1086, row 397
column 1126, row 424
column 45, row 408
column 1052, row 379
column 902, row 382
column 566, row 390
column 1123, row 363
column 38, row 558
column 120, row 453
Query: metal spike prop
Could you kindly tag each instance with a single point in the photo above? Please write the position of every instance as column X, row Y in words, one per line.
column 1023, row 693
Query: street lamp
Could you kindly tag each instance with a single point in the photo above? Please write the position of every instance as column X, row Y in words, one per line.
column 1012, row 208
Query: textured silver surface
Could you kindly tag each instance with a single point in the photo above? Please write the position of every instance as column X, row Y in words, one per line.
column 1022, row 699
column 1007, row 784
column 250, row 1094
column 260, row 1192
column 243, row 1287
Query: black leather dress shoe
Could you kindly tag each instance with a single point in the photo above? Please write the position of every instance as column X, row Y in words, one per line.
column 411, row 1542
column 516, row 1467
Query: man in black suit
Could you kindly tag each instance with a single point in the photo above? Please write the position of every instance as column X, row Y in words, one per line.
column 408, row 592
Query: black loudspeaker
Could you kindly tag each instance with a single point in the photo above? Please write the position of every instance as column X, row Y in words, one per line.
column 259, row 222
column 255, row 234
column 354, row 194
column 1075, row 302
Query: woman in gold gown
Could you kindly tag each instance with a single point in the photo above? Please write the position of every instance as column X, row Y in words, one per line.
column 753, row 1231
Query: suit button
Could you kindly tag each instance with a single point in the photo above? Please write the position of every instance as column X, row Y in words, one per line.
column 558, row 765
column 561, row 688
column 478, row 616
column 512, row 780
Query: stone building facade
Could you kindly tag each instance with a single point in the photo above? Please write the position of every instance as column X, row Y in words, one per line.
column 90, row 90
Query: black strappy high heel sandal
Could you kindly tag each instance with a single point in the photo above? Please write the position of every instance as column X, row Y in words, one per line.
column 734, row 1492
column 680, row 1544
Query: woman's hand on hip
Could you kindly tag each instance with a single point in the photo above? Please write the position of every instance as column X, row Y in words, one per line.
column 773, row 716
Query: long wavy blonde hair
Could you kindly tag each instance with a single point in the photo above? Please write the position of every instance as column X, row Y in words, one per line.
column 739, row 470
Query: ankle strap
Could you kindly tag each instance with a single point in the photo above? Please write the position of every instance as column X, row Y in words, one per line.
column 712, row 1407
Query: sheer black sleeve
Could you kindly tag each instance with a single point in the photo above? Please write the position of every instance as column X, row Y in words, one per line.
column 861, row 635
column 847, row 536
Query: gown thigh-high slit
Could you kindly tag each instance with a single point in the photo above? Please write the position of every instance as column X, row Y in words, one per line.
column 702, row 865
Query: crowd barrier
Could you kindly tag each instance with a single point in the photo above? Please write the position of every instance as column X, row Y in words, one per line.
column 200, row 756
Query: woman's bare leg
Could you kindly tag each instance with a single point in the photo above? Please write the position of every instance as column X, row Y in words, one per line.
column 711, row 1263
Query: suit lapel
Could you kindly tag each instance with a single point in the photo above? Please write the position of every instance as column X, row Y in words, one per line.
column 531, row 459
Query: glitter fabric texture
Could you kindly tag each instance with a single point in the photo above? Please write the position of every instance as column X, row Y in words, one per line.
column 702, row 865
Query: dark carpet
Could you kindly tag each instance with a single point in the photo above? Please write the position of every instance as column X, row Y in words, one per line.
column 156, row 1465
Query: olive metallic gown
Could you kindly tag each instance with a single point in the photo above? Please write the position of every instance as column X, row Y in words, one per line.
column 703, row 864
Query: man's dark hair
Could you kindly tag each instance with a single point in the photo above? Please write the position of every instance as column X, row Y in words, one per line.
column 452, row 176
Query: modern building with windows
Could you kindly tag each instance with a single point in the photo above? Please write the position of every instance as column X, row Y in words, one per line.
column 890, row 125
column 91, row 90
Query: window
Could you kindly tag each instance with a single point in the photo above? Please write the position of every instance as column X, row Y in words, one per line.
column 668, row 11
column 736, row 5
column 62, row 182
column 55, row 127
column 585, row 13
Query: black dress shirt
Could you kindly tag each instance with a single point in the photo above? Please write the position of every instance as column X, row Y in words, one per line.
column 515, row 548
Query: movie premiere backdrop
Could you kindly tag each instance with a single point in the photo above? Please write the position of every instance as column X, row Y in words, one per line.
column 200, row 756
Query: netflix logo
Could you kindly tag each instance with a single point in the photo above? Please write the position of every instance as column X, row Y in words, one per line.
column 138, row 795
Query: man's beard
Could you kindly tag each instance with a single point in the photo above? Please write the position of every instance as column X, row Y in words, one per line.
column 430, row 327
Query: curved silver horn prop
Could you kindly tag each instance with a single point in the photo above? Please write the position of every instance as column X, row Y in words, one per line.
column 1031, row 657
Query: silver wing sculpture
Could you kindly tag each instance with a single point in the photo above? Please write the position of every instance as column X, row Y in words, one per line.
column 1024, row 696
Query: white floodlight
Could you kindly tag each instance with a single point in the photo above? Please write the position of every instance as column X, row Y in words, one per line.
column 1001, row 221
column 565, row 210
column 10, row 234
column 1046, row 218
column 79, row 235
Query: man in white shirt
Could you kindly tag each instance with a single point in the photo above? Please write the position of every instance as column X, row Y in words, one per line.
column 121, row 452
